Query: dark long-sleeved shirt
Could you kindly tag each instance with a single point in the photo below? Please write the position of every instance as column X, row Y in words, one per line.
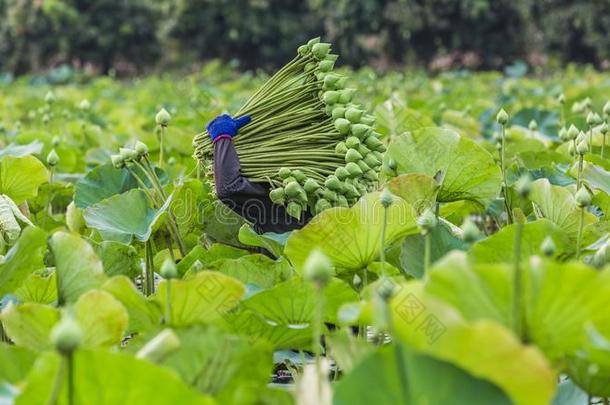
column 250, row 200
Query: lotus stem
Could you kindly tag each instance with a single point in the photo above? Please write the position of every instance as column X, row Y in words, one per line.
column 382, row 242
column 581, row 224
column 3, row 337
column 149, row 283
column 579, row 176
column 427, row 249
column 317, row 333
column 161, row 141
column 69, row 359
column 517, row 283
column 168, row 302
column 503, row 168
column 57, row 383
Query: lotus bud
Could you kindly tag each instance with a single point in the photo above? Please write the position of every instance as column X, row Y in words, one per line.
column 597, row 119
column 470, row 232
column 342, row 125
column 587, row 102
column 386, row 289
column 606, row 109
column 561, row 98
column 74, row 218
column 311, row 186
column 318, row 268
column 354, row 115
column 340, row 149
column 548, row 247
column 502, row 117
column 117, row 161
column 427, row 221
column 52, row 158
column 46, row 118
column 49, row 98
column 325, row 66
column 582, row 147
column 168, row 269
column 604, row 128
column 312, row 42
column 590, row 119
column 356, row 280
column 583, row 197
column 284, row 172
column 392, row 164
column 572, row 132
column 533, row 125
column 84, row 105
column 162, row 118
column 128, row 154
column 56, row 141
column 320, row 50
column 159, row 347
column 571, row 150
column 600, row 258
column 67, row 335
column 523, row 186
column 563, row 134
column 303, row 50
column 386, row 198
column 141, row 148
column 171, row 161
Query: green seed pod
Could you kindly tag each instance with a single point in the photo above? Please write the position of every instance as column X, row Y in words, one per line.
column 386, row 198
column 52, row 158
column 427, row 221
column 341, row 149
column 352, row 155
column 606, row 109
column 318, row 268
column 322, row 205
column 74, row 218
column 361, row 131
column 342, row 125
column 363, row 166
column 293, row 189
column 352, row 142
column 320, row 50
column 312, row 42
column 363, row 150
column 346, row 95
column 354, row 170
column 117, row 161
column 342, row 201
column 67, row 335
column 294, row 209
column 372, row 161
column 582, row 147
column 341, row 173
column 333, row 183
column 533, row 125
column 141, row 148
column 338, row 112
column 368, row 120
column 284, row 172
column 311, row 186
column 470, row 232
column 523, row 186
column 299, row 176
column 572, row 132
column 278, row 196
column 583, row 197
column 326, row 66
column 330, row 97
column 354, row 115
column 548, row 247
column 168, row 269
column 162, row 118
column 502, row 117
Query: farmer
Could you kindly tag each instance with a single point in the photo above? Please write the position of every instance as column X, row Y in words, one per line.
column 250, row 200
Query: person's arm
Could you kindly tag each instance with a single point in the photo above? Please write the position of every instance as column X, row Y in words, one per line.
column 227, row 175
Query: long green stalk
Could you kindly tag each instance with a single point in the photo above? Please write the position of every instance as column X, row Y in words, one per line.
column 581, row 223
column 517, row 283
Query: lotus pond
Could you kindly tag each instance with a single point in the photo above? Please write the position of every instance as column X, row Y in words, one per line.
column 476, row 274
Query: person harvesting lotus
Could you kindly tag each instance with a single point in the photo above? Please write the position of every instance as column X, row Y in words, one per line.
column 248, row 199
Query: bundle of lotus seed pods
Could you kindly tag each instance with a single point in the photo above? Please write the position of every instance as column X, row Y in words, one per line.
column 307, row 138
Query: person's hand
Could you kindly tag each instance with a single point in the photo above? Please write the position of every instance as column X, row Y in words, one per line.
column 224, row 126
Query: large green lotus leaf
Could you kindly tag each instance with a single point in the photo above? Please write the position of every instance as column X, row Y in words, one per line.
column 100, row 183
column 590, row 367
column 351, row 237
column 40, row 287
column 394, row 118
column 397, row 375
column 569, row 393
column 417, row 189
column 22, row 259
column 221, row 224
column 468, row 171
column 482, row 347
column 189, row 196
column 272, row 242
column 461, row 122
column 125, row 216
column 293, row 302
column 208, row 256
column 560, row 298
column 102, row 317
column 499, row 246
column 118, row 258
column 29, row 325
column 559, row 206
column 20, row 177
column 548, row 121
column 16, row 362
column 143, row 314
column 241, row 368
column 108, row 378
column 595, row 177
column 256, row 269
column 203, row 298
column 78, row 269
column 32, row 148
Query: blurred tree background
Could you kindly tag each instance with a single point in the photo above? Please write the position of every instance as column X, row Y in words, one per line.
column 132, row 36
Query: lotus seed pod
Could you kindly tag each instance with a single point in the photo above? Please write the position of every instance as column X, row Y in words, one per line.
column 162, row 118
column 168, row 269
column 548, row 247
column 277, row 195
column 74, row 218
column 67, row 335
column 117, row 161
column 572, row 132
column 49, row 98
column 590, row 119
column 318, row 268
column 561, row 98
column 582, row 147
column 523, row 186
column 583, row 197
column 141, row 148
column 470, row 232
column 320, row 50
column 533, row 125
column 52, row 158
column 342, row 125
column 386, row 198
column 563, row 134
column 84, row 105
column 427, row 221
column 502, row 117
column 159, row 347
column 606, row 109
